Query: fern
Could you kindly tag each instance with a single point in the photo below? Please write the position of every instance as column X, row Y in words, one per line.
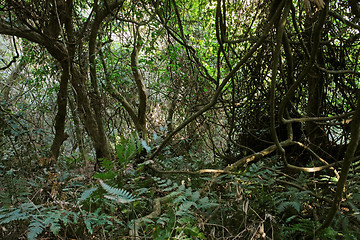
column 92, row 220
column 53, row 219
column 185, row 199
column 195, row 196
column 117, row 194
column 286, row 205
column 206, row 203
column 88, row 225
column 40, row 218
column 184, row 208
column 35, row 228
column 86, row 194
column 127, row 148
column 22, row 212
column 15, row 215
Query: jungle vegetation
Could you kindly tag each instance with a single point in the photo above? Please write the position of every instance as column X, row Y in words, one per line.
column 179, row 119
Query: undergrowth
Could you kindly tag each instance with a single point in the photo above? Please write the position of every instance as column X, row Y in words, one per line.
column 260, row 201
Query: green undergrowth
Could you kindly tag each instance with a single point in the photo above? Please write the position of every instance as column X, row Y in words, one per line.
column 260, row 201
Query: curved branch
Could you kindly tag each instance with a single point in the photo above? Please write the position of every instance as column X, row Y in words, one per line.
column 308, row 119
column 274, row 70
column 339, row 17
column 349, row 156
column 344, row 71
column 219, row 90
column 56, row 49
column 115, row 93
column 270, row 150
column 304, row 73
column 198, row 172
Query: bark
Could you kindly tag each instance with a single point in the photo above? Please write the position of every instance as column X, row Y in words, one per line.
column 316, row 81
column 139, row 118
column 304, row 73
column 124, row 102
column 60, row 135
column 314, row 108
column 101, row 145
column 78, row 131
column 139, row 80
column 171, row 111
column 99, row 137
column 275, row 64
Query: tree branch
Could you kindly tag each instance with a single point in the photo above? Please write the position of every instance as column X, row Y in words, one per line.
column 349, row 156
column 219, row 90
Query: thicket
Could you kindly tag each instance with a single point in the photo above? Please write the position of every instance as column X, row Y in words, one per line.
column 179, row 119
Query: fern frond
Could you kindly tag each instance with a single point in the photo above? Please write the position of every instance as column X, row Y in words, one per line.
column 165, row 183
column 205, row 203
column 285, row 205
column 35, row 228
column 195, row 196
column 117, row 194
column 15, row 215
column 86, row 194
column 55, row 228
column 87, row 222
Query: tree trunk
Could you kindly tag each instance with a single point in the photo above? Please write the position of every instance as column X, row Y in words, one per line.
column 314, row 108
column 101, row 143
column 60, row 135
column 78, row 132
column 316, row 81
column 141, row 117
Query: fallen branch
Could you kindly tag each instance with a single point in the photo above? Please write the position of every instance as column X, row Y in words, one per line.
column 254, row 156
column 230, row 169
column 271, row 149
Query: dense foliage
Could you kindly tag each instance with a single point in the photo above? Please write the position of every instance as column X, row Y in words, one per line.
column 179, row 119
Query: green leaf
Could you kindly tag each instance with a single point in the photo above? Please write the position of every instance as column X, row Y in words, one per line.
column 87, row 222
column 105, row 175
column 204, row 200
column 290, row 218
column 184, row 207
column 35, row 228
column 171, row 188
column 86, row 194
column 194, row 232
column 179, row 199
column 195, row 196
column 286, row 205
column 117, row 194
column 356, row 211
column 55, row 228
column 14, row 216
column 181, row 188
